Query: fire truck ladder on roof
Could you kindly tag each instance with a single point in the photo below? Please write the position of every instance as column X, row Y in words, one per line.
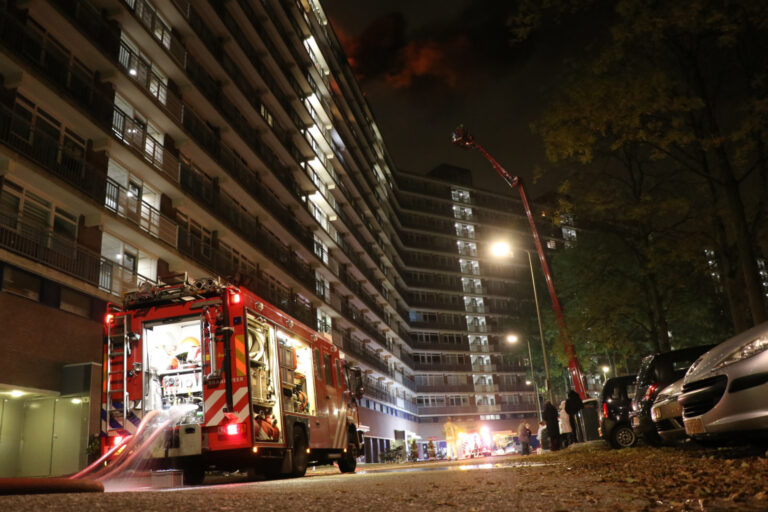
column 118, row 350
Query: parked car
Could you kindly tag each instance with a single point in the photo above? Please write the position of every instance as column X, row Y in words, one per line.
column 615, row 427
column 667, row 413
column 725, row 392
column 658, row 371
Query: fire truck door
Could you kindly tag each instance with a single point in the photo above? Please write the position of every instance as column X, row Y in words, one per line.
column 319, row 427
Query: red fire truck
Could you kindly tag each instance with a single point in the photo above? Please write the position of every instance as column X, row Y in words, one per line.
column 260, row 392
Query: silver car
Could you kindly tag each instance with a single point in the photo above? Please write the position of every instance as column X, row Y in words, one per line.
column 667, row 413
column 726, row 390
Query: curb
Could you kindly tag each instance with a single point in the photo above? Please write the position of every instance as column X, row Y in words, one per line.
column 47, row 486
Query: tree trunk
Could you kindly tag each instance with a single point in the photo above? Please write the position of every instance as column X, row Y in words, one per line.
column 661, row 326
column 746, row 251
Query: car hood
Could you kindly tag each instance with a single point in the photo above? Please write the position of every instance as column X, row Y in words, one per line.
column 705, row 365
column 670, row 392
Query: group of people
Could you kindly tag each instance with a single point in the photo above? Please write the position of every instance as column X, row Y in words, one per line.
column 561, row 425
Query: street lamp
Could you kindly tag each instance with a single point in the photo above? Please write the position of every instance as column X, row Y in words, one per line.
column 513, row 339
column 501, row 249
column 605, row 369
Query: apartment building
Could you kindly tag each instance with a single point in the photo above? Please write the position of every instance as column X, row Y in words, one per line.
column 142, row 139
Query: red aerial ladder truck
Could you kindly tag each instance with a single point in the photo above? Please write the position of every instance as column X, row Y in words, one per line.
column 462, row 138
column 256, row 390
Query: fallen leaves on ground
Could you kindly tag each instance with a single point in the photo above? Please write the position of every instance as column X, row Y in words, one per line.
column 685, row 476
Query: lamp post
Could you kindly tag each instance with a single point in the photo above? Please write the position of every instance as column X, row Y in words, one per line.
column 462, row 138
column 513, row 339
column 502, row 249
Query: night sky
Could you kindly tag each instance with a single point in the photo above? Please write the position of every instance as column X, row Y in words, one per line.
column 425, row 66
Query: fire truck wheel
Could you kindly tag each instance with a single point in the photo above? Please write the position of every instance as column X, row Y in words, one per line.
column 194, row 473
column 299, row 467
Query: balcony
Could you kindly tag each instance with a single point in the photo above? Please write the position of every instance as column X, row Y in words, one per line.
column 477, row 347
column 482, row 368
column 443, row 410
column 489, row 408
column 508, row 366
column 442, row 347
column 40, row 244
column 486, row 388
column 134, row 135
column 363, row 323
column 360, row 351
column 445, row 388
column 65, row 162
column 57, row 70
column 442, row 367
column 140, row 213
column 520, row 387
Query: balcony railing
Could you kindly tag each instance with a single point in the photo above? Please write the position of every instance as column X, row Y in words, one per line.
column 451, row 409
column 359, row 350
column 40, row 244
column 486, row 388
column 134, row 134
column 140, row 213
column 441, row 367
column 57, row 68
column 444, row 388
column 485, row 368
column 65, row 162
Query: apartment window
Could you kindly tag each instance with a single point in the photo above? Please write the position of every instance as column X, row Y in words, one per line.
column 321, row 250
column 21, row 283
column 75, row 302
column 323, row 322
column 33, row 214
column 267, row 115
column 328, row 369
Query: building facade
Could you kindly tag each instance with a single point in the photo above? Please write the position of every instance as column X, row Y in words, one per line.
column 142, row 139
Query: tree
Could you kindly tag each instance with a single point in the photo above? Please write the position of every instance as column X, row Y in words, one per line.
column 672, row 112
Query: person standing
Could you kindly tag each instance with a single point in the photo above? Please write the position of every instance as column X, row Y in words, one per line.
column 553, row 430
column 524, row 435
column 566, row 433
column 572, row 406
column 451, row 433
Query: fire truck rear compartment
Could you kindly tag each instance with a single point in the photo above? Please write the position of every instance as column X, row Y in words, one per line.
column 174, row 372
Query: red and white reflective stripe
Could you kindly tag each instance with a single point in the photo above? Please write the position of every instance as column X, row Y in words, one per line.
column 341, row 427
column 240, row 401
column 216, row 413
column 213, row 403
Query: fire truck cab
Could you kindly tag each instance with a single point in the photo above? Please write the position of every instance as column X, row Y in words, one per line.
column 243, row 385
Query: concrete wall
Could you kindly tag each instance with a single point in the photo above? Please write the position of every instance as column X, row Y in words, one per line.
column 384, row 425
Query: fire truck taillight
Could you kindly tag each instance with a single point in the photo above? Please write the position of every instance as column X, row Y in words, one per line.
column 108, row 318
column 234, row 429
column 235, row 298
column 116, row 440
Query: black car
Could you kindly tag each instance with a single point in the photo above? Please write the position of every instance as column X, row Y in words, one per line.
column 658, row 371
column 616, row 405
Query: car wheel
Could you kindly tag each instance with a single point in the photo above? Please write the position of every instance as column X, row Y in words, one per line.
column 623, row 437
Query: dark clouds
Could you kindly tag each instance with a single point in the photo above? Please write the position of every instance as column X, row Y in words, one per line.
column 428, row 65
column 459, row 53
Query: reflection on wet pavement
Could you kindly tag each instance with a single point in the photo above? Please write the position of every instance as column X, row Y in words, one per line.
column 460, row 467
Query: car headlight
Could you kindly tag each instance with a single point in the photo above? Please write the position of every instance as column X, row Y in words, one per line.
column 752, row 348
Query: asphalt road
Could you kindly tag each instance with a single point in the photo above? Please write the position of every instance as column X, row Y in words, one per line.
column 583, row 478
column 493, row 483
